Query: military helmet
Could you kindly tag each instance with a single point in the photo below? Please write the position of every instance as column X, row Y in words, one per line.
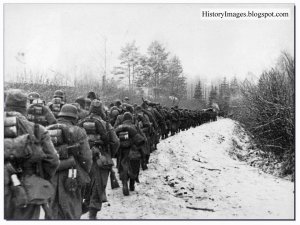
column 126, row 99
column 127, row 116
column 118, row 103
column 97, row 108
column 88, row 102
column 33, row 95
column 80, row 101
column 69, row 110
column 91, row 95
column 114, row 113
column 96, row 103
column 138, row 108
column 58, row 94
column 111, row 105
column 16, row 100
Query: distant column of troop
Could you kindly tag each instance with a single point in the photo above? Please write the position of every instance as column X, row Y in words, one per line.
column 58, row 156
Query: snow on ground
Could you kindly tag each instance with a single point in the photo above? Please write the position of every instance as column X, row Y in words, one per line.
column 192, row 176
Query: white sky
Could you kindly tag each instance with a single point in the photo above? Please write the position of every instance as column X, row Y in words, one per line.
column 69, row 38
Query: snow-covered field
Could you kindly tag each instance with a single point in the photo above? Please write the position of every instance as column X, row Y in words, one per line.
column 192, row 176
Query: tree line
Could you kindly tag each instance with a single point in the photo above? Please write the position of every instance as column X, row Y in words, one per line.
column 157, row 70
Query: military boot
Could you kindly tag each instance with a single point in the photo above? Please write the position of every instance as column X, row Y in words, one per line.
column 144, row 166
column 147, row 159
column 93, row 213
column 125, row 188
column 131, row 184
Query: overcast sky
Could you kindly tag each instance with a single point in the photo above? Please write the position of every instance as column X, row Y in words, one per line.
column 69, row 38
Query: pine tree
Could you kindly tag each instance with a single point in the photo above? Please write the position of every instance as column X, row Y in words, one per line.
column 158, row 60
column 198, row 92
column 234, row 87
column 173, row 82
column 213, row 95
column 129, row 60
column 224, row 97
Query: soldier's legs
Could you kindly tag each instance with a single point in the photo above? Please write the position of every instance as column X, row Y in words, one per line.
column 125, row 187
column 31, row 212
column 124, row 168
column 95, row 202
column 144, row 151
column 104, row 178
column 86, row 193
column 131, row 184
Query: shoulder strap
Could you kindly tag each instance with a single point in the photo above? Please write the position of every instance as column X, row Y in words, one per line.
column 23, row 128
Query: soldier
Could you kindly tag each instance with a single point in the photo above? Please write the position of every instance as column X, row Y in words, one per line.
column 168, row 119
column 75, row 156
column 92, row 95
column 82, row 113
column 125, row 108
column 162, row 120
column 111, row 105
column 143, row 124
column 126, row 100
column 129, row 152
column 174, row 121
column 32, row 96
column 87, row 104
column 153, row 125
column 57, row 102
column 30, row 161
column 178, row 118
column 104, row 144
column 118, row 103
column 113, row 115
column 37, row 112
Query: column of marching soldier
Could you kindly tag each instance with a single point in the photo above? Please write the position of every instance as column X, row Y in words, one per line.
column 58, row 156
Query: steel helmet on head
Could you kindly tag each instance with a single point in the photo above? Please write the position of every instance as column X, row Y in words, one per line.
column 33, row 95
column 69, row 110
column 58, row 94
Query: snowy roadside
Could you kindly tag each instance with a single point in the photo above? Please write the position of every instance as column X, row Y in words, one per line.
column 244, row 149
column 192, row 176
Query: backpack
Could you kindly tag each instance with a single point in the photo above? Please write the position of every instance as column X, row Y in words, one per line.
column 96, row 132
column 124, row 139
column 60, row 135
column 25, row 145
column 56, row 106
column 62, row 138
column 36, row 114
column 98, row 137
